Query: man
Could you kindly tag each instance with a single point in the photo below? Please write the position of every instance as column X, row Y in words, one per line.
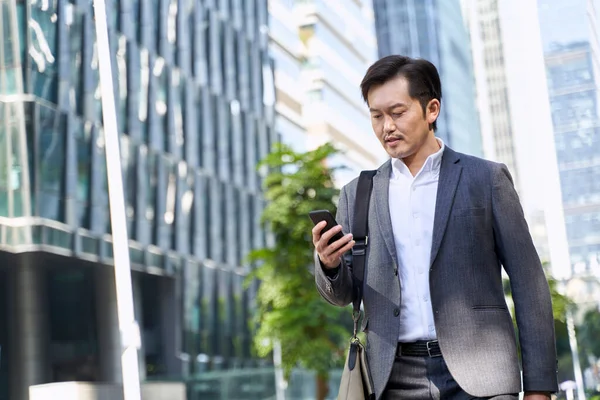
column 441, row 226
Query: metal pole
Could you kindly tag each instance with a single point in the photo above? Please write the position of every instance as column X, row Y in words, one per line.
column 280, row 383
column 130, row 333
column 575, row 354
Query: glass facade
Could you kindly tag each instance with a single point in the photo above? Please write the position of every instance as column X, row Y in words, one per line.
column 570, row 38
column 192, row 83
column 434, row 30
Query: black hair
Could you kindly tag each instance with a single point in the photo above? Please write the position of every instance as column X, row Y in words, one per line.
column 423, row 78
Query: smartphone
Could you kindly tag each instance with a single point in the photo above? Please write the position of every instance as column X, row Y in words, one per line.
column 324, row 215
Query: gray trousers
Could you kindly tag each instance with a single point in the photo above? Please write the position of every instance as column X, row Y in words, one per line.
column 423, row 378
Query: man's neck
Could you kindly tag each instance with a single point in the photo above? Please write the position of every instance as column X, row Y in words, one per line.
column 415, row 162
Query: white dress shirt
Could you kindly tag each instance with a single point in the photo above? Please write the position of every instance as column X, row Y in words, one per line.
column 412, row 209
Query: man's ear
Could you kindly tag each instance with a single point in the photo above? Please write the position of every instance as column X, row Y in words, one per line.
column 432, row 111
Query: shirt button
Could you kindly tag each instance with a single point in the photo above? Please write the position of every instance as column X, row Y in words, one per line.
column 416, row 215
column 396, row 312
column 425, row 299
column 420, row 272
column 431, row 328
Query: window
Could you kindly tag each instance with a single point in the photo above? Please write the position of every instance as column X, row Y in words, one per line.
column 42, row 50
column 83, row 136
column 51, row 164
column 129, row 162
column 161, row 76
column 76, row 62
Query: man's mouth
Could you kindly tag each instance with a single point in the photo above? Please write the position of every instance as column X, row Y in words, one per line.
column 392, row 140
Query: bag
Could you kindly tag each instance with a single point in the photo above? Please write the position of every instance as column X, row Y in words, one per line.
column 356, row 383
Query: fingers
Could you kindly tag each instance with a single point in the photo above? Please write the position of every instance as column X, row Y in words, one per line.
column 316, row 232
column 322, row 241
column 330, row 254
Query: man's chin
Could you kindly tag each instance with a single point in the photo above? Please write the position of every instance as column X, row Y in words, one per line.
column 398, row 153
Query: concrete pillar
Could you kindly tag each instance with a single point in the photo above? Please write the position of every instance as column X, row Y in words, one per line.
column 139, row 316
column 170, row 322
column 107, row 321
column 28, row 329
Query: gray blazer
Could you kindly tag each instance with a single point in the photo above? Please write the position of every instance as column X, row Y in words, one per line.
column 479, row 227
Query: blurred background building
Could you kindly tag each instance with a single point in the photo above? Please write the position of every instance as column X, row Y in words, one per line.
column 509, row 70
column 194, row 88
column 435, row 30
column 322, row 50
column 570, row 36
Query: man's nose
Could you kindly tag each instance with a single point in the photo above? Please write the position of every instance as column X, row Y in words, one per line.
column 388, row 124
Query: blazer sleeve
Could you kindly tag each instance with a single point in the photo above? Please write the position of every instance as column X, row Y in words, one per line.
column 337, row 290
column 530, row 291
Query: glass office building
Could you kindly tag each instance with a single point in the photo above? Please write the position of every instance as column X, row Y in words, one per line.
column 570, row 36
column 435, row 30
column 193, row 86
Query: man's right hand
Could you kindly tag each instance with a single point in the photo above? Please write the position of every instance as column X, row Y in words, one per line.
column 330, row 254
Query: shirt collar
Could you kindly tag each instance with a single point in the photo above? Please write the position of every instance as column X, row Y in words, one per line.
column 432, row 164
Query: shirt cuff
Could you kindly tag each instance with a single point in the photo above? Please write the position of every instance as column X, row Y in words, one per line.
column 331, row 273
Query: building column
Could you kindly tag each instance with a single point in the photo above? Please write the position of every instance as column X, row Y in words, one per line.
column 107, row 322
column 170, row 322
column 28, row 329
column 139, row 317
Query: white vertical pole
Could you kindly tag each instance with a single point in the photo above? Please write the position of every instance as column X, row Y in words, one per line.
column 280, row 383
column 575, row 354
column 130, row 334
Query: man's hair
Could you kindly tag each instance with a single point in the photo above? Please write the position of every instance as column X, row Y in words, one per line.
column 422, row 76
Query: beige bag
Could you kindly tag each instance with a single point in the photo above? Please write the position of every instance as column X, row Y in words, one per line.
column 356, row 381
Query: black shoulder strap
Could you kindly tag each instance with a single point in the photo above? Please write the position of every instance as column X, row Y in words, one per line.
column 360, row 231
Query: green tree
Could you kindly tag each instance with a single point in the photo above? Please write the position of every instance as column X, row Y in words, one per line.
column 588, row 334
column 289, row 308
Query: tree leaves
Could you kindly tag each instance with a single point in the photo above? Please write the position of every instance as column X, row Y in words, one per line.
column 312, row 333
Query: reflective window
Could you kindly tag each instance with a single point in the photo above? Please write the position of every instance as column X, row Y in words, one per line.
column 192, row 297
column 129, row 157
column 84, row 160
column 95, row 80
column 199, row 227
column 151, row 187
column 185, row 213
column 51, row 163
column 122, row 85
column 177, row 102
column 100, row 221
column 76, row 62
column 42, row 51
column 239, row 316
column 144, row 86
column 161, row 77
column 209, row 312
column 225, row 313
column 169, row 199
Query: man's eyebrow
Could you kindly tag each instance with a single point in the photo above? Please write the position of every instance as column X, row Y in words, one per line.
column 371, row 109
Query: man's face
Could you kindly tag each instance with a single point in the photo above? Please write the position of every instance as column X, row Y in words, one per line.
column 398, row 119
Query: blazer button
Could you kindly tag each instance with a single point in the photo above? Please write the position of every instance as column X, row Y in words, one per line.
column 396, row 272
column 396, row 312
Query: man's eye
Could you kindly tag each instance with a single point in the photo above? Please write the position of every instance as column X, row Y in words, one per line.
column 397, row 114
column 376, row 116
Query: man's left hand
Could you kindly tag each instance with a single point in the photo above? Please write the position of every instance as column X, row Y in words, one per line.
column 536, row 396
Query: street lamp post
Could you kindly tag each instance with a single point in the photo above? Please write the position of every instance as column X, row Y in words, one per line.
column 129, row 329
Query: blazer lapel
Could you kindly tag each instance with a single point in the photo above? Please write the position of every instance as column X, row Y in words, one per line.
column 381, row 194
column 450, row 172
